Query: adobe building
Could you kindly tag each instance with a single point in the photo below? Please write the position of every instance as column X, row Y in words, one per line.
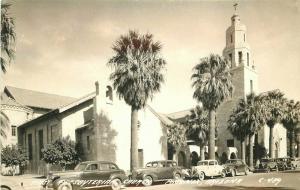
column 101, row 127
column 21, row 105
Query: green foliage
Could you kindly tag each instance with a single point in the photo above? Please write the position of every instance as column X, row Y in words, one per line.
column 8, row 36
column 248, row 117
column 13, row 156
column 198, row 125
column 176, row 135
column 291, row 116
column 274, row 103
column 61, row 152
column 211, row 80
column 137, row 68
column 5, row 124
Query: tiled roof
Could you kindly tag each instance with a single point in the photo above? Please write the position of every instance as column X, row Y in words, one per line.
column 37, row 99
column 163, row 118
column 179, row 114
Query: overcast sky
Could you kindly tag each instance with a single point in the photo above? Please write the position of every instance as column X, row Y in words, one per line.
column 63, row 45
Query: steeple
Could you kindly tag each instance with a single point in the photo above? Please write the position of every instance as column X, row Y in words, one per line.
column 237, row 50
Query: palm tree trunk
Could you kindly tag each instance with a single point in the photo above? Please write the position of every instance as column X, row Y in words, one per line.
column 271, row 143
column 202, row 155
column 134, row 139
column 243, row 152
column 292, row 143
column 251, row 138
column 211, row 142
column 298, row 149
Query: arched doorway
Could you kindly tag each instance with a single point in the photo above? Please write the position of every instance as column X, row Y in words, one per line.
column 181, row 159
column 194, row 158
column 232, row 155
column 223, row 158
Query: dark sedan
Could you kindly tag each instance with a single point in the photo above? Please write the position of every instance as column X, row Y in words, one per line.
column 91, row 174
column 235, row 167
column 158, row 171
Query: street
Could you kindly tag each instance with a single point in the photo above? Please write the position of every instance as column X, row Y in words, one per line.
column 287, row 180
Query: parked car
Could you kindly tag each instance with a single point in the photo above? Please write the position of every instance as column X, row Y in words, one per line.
column 235, row 167
column 267, row 165
column 105, row 173
column 208, row 168
column 295, row 162
column 158, row 171
column 284, row 163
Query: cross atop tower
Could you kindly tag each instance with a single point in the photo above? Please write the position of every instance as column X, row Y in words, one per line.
column 235, row 6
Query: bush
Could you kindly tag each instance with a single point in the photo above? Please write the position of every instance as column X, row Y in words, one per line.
column 13, row 156
column 61, row 152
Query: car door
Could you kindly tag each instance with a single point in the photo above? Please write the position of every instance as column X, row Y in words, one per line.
column 170, row 169
column 91, row 172
column 105, row 171
column 211, row 169
column 240, row 166
column 162, row 170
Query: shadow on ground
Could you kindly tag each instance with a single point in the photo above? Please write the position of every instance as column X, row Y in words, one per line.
column 242, row 188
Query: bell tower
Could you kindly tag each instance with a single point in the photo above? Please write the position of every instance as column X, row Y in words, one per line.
column 237, row 51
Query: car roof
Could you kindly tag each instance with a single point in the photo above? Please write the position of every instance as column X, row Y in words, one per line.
column 101, row 162
column 233, row 159
column 163, row 161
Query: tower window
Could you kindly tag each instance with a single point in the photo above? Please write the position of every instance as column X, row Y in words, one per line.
column 247, row 59
column 251, row 86
column 41, row 142
column 240, row 57
column 230, row 58
column 244, row 37
column 13, row 131
column 231, row 39
column 88, row 143
column 230, row 143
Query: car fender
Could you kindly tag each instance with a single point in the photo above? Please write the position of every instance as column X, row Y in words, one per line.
column 154, row 176
column 122, row 177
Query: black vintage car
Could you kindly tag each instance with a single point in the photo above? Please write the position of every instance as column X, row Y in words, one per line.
column 235, row 167
column 285, row 163
column 267, row 165
column 90, row 174
column 158, row 171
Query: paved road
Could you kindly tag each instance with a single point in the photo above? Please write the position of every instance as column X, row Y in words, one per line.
column 288, row 180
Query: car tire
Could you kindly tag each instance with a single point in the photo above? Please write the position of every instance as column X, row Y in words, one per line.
column 177, row 176
column 223, row 174
column 147, row 180
column 276, row 169
column 232, row 172
column 246, row 171
column 201, row 176
column 116, row 184
column 268, row 169
column 65, row 186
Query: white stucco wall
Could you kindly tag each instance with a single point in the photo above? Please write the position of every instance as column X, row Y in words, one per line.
column 279, row 137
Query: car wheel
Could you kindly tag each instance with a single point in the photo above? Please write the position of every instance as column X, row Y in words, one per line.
column 268, row 170
column 65, row 186
column 232, row 172
column 246, row 171
column 223, row 174
column 147, row 180
column 276, row 169
column 201, row 176
column 116, row 184
column 177, row 176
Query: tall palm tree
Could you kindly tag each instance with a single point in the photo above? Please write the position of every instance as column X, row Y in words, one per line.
column 137, row 74
column 247, row 120
column 211, row 80
column 290, row 120
column 274, row 102
column 8, row 36
column 198, row 128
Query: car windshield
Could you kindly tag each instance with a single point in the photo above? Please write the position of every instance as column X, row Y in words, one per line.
column 202, row 163
column 80, row 167
column 231, row 161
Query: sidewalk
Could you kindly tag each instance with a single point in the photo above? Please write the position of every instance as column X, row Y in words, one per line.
column 22, row 182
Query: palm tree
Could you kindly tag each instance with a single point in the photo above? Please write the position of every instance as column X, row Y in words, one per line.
column 176, row 135
column 247, row 120
column 5, row 124
column 137, row 74
column 274, row 102
column 290, row 120
column 211, row 80
column 8, row 36
column 198, row 128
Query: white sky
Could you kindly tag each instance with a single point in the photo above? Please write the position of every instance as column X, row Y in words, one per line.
column 63, row 45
